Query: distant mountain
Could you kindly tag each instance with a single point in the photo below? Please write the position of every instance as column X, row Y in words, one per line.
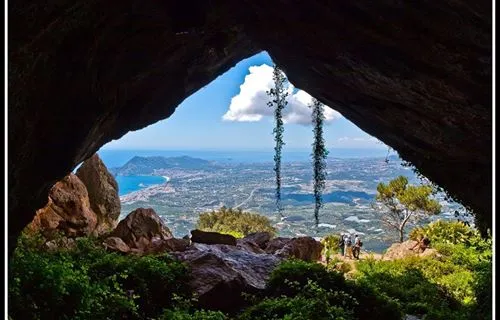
column 150, row 165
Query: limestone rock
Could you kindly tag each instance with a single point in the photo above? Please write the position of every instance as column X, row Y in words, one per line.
column 140, row 228
column 212, row 237
column 102, row 189
column 249, row 246
column 403, row 250
column 222, row 272
column 68, row 210
column 304, row 248
column 276, row 244
column 168, row 245
column 116, row 244
column 259, row 238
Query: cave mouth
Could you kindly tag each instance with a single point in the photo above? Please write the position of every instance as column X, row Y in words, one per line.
column 235, row 106
column 78, row 74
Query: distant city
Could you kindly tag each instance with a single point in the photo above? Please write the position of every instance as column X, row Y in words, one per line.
column 181, row 187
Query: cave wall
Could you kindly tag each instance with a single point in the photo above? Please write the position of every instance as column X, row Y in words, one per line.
column 82, row 73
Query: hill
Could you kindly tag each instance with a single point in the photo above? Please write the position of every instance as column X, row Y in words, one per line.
column 154, row 165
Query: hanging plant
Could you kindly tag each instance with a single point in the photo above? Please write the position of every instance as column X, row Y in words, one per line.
column 319, row 155
column 278, row 95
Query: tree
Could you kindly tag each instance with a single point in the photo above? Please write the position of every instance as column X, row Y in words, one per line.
column 278, row 96
column 405, row 203
column 319, row 155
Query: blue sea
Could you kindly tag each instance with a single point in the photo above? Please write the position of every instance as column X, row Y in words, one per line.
column 128, row 184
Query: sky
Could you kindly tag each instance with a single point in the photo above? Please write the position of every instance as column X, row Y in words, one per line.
column 231, row 113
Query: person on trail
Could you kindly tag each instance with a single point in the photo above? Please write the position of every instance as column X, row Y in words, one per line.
column 422, row 243
column 357, row 247
column 341, row 244
column 348, row 246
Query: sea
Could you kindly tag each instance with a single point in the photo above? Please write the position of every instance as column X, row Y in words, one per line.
column 127, row 184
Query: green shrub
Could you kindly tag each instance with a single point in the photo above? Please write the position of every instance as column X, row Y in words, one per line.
column 234, row 222
column 292, row 278
column 89, row 283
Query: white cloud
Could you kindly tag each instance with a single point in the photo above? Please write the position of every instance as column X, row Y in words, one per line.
column 251, row 103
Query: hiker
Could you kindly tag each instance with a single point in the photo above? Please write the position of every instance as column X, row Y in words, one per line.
column 341, row 244
column 422, row 243
column 357, row 247
column 348, row 246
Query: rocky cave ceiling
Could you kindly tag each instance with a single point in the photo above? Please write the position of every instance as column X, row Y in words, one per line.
column 417, row 75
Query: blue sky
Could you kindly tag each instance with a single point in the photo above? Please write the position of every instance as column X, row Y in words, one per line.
column 211, row 119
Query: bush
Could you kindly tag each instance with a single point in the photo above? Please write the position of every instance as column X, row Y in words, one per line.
column 88, row 282
column 455, row 285
column 298, row 278
column 330, row 246
column 235, row 222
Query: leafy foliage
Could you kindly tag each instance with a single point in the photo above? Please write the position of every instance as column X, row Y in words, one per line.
column 319, row 155
column 236, row 222
column 295, row 283
column 457, row 285
column 405, row 203
column 278, row 96
column 330, row 246
column 88, row 282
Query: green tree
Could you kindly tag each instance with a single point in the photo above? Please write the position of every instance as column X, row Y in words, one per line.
column 235, row 222
column 319, row 155
column 278, row 96
column 405, row 203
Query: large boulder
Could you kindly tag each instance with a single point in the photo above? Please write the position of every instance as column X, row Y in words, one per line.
column 259, row 238
column 212, row 237
column 116, row 244
column 168, row 245
column 68, row 211
column 140, row 228
column 102, row 189
column 220, row 273
column 304, row 248
column 404, row 249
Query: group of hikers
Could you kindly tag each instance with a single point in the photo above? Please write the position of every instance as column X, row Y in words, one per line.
column 351, row 248
column 348, row 247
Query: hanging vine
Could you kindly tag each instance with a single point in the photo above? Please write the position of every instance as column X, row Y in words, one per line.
column 319, row 155
column 278, row 96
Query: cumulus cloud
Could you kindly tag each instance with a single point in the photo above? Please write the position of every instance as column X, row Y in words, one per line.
column 251, row 103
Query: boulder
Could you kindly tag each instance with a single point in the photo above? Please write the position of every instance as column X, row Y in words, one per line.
column 220, row 273
column 168, row 245
column 249, row 246
column 212, row 237
column 102, row 189
column 304, row 248
column 259, row 238
column 403, row 250
column 275, row 244
column 140, row 228
column 68, row 211
column 116, row 244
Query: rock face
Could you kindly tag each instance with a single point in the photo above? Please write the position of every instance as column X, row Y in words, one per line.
column 402, row 250
column 220, row 273
column 212, row 238
column 103, row 192
column 168, row 245
column 261, row 239
column 304, row 248
column 140, row 228
column 68, row 210
column 417, row 76
column 116, row 244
